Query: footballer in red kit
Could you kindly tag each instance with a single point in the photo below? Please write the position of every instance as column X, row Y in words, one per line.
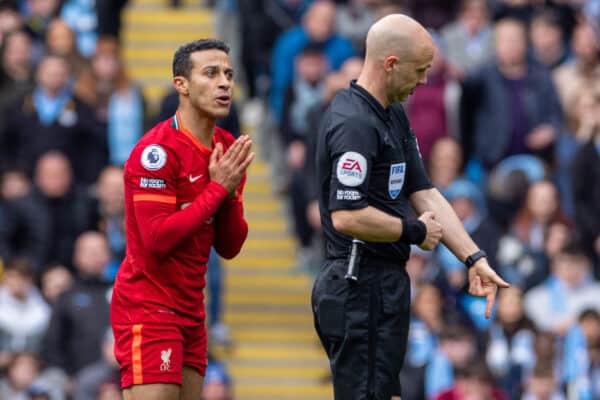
column 183, row 194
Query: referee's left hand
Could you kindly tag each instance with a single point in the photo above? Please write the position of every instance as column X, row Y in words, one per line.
column 484, row 282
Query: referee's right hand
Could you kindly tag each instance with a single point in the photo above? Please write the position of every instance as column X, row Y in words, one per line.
column 434, row 231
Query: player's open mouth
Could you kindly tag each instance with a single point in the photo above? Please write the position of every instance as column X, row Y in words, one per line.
column 224, row 100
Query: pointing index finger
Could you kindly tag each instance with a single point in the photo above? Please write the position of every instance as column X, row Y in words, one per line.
column 491, row 298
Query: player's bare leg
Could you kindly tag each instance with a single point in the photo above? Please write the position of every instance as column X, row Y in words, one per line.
column 192, row 384
column 152, row 391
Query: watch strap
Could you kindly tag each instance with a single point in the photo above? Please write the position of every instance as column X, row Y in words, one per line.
column 472, row 259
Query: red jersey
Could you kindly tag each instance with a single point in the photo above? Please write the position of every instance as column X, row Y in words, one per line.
column 174, row 213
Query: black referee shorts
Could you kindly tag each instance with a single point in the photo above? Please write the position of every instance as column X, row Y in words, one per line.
column 363, row 327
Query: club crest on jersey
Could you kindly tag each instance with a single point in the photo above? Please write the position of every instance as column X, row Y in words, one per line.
column 397, row 172
column 351, row 169
column 154, row 157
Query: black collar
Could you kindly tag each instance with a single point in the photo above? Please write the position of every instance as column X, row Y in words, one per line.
column 382, row 113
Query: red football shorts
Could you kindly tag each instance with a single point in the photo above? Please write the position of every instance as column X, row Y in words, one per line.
column 157, row 352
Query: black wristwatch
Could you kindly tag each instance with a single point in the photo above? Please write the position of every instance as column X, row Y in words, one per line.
column 470, row 261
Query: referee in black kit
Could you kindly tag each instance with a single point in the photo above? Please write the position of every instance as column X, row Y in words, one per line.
column 370, row 173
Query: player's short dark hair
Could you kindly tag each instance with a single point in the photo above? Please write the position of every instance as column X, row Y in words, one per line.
column 182, row 64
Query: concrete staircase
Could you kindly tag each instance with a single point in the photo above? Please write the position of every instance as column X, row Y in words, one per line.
column 276, row 354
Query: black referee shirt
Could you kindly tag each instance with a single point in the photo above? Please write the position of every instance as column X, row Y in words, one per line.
column 366, row 156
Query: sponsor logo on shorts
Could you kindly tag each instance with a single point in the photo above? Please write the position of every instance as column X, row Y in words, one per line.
column 153, row 183
column 165, row 356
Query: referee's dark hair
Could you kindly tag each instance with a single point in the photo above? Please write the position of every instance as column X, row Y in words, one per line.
column 182, row 64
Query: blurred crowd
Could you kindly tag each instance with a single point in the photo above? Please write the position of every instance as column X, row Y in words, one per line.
column 508, row 126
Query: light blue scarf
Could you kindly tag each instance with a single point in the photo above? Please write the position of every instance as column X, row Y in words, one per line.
column 125, row 123
column 306, row 97
column 576, row 363
column 49, row 108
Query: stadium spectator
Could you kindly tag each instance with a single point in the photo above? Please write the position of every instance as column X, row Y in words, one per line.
column 88, row 382
column 581, row 356
column 542, row 384
column 111, row 210
column 51, row 118
column 510, row 351
column 508, row 182
column 574, row 78
column 455, row 350
column 37, row 15
column 433, row 108
column 80, row 317
column 60, row 40
column 421, row 269
column 432, row 13
column 66, row 210
column 514, row 97
column 22, row 371
column 117, row 101
column 353, row 19
column 430, row 315
column 585, row 179
column 468, row 40
column 445, row 162
column 10, row 19
column 24, row 228
column 317, row 27
column 55, row 280
column 16, row 75
column 526, row 268
column 541, row 208
column 14, row 185
column 304, row 92
column 25, row 314
column 83, row 20
column 521, row 10
column 547, row 36
column 261, row 23
column 473, row 382
column 569, row 289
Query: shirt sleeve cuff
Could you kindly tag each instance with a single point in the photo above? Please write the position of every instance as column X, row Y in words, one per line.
column 218, row 189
